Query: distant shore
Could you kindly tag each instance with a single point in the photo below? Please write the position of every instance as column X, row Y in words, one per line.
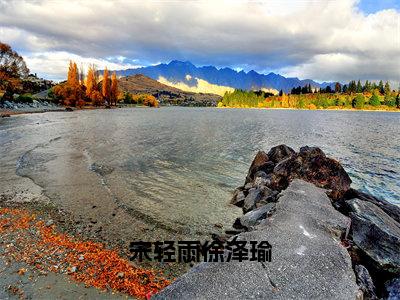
column 319, row 109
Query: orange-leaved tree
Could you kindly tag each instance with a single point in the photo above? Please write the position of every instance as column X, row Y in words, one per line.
column 71, row 92
column 106, row 86
column 92, row 86
column 114, row 89
column 12, row 69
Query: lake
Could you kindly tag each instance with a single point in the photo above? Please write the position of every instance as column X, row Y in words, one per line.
column 173, row 169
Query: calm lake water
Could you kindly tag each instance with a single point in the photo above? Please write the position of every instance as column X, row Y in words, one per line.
column 178, row 166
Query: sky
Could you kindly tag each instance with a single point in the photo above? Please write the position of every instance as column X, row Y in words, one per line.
column 324, row 40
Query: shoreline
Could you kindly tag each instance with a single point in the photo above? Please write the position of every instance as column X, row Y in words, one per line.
column 318, row 109
column 29, row 110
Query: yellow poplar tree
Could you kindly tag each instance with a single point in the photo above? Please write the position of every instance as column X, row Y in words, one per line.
column 106, row 86
column 91, row 81
column 114, row 88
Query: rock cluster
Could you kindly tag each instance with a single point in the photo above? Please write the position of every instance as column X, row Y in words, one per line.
column 272, row 172
column 373, row 236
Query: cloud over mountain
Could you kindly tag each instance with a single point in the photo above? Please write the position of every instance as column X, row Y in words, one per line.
column 323, row 40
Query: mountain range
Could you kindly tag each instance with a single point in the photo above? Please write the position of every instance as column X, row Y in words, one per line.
column 187, row 76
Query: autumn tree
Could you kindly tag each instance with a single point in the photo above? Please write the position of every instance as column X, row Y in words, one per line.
column 92, row 87
column 73, row 75
column 12, row 70
column 71, row 93
column 114, row 89
column 106, row 86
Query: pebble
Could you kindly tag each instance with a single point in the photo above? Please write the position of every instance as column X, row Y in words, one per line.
column 121, row 275
column 81, row 257
column 49, row 223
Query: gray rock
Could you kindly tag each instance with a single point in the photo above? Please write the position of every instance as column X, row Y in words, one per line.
column 253, row 218
column 365, row 282
column 393, row 289
column 308, row 261
column 49, row 223
column 238, row 198
column 100, row 169
column 261, row 166
column 254, row 195
column 278, row 153
column 376, row 234
column 260, row 181
column 260, row 174
column 391, row 209
column 248, row 185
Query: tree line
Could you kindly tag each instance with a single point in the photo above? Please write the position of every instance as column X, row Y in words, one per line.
column 319, row 100
column 351, row 87
column 79, row 90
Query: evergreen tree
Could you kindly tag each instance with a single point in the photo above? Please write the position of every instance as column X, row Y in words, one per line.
column 344, row 89
column 352, row 87
column 338, row 87
column 381, row 88
column 367, row 87
column 398, row 101
column 359, row 87
column 387, row 88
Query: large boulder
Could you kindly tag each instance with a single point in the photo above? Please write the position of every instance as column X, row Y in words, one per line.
column 365, row 282
column 391, row 209
column 279, row 153
column 393, row 289
column 282, row 164
column 255, row 216
column 312, row 165
column 376, row 234
column 260, row 162
column 254, row 196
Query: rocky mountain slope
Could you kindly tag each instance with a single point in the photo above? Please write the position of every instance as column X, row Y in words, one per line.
column 167, row 95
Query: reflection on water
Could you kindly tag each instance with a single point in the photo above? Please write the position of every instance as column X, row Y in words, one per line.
column 176, row 167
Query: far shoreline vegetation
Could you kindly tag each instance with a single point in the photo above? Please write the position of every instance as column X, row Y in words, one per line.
column 354, row 96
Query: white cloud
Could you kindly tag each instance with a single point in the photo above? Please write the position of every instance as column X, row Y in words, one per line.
column 322, row 39
column 55, row 64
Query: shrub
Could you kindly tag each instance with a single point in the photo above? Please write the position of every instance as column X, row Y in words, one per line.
column 374, row 100
column 127, row 98
column 390, row 101
column 358, row 102
column 25, row 98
